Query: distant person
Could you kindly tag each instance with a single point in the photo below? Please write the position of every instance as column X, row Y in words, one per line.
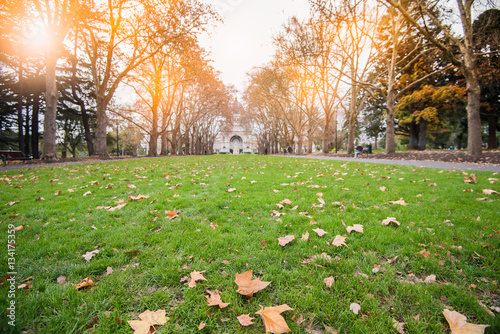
column 359, row 150
column 289, row 150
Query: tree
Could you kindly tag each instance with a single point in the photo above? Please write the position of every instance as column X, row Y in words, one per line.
column 127, row 33
column 466, row 59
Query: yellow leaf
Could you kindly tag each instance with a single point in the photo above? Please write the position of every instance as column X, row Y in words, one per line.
column 84, row 283
column 273, row 321
column 458, row 324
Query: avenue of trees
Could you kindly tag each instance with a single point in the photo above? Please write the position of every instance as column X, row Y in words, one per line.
column 107, row 75
column 420, row 71
column 96, row 77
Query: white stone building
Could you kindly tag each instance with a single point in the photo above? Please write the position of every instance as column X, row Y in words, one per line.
column 236, row 139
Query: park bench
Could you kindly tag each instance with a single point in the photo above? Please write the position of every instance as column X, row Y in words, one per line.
column 14, row 155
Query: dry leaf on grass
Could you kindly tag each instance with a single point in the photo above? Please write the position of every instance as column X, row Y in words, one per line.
column 458, row 324
column 400, row 326
column 19, row 228
column 231, row 190
column 61, row 279
column 355, row 308
column 171, row 214
column 400, row 202
column 201, row 326
column 195, row 277
column 286, row 240
column 245, row 319
column 490, row 192
column 356, row 228
column 305, row 236
column 215, row 299
column 320, row 232
column 247, row 286
column 329, row 281
column 84, row 283
column 138, row 198
column 89, row 255
column 273, row 321
column 148, row 319
column 390, row 220
column 338, row 241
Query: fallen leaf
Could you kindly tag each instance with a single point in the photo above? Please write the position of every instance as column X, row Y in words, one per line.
column 383, row 188
column 214, row 226
column 231, row 190
column 400, row 202
column 245, row 319
column 338, row 241
column 320, row 232
column 390, row 220
column 171, row 214
column 57, row 193
column 356, row 228
column 195, row 277
column 201, row 326
column 84, row 283
column 12, row 203
column 286, row 201
column 138, row 198
column 215, row 299
column 61, row 279
column 425, row 253
column 273, row 321
column 285, row 240
column 490, row 192
column 247, row 286
column 19, row 228
column 458, row 323
column 399, row 326
column 89, row 255
column 87, row 193
column 329, row 281
column 355, row 308
column 305, row 236
column 148, row 319
column 430, row 279
column 109, row 271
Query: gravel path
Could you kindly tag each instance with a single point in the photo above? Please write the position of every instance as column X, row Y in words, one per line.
column 415, row 163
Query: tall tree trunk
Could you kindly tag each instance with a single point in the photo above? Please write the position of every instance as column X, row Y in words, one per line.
column 327, row 135
column 49, row 151
column 101, row 145
column 492, row 130
column 413, row 144
column 20, row 105
column 86, row 126
column 35, row 109
column 164, row 141
column 422, row 135
column 153, row 138
column 390, row 134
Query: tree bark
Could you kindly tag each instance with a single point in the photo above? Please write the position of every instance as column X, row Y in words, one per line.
column 101, row 145
column 413, row 144
column 34, row 126
column 422, row 135
column 49, row 151
column 492, row 130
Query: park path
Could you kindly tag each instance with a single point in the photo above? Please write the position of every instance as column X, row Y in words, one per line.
column 414, row 163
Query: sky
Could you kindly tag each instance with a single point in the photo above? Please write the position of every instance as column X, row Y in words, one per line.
column 244, row 39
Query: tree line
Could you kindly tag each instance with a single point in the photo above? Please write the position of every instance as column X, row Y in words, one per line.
column 64, row 65
column 423, row 70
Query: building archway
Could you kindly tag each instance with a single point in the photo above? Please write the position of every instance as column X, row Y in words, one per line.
column 236, row 145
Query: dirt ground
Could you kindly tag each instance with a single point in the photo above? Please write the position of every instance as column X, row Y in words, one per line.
column 488, row 157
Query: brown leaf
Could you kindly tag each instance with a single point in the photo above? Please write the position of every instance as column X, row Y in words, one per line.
column 320, row 232
column 19, row 228
column 245, row 319
column 383, row 188
column 305, row 236
column 215, row 299
column 247, row 286
column 338, row 241
column 273, row 321
column 214, row 226
column 356, row 227
column 425, row 253
column 84, row 283
column 285, row 240
column 171, row 214
column 390, row 220
column 195, row 277
column 400, row 202
column 231, row 190
column 12, row 203
column 201, row 326
column 61, row 279
column 329, row 281
column 286, row 201
column 458, row 324
column 148, row 319
column 89, row 255
column 138, row 198
column 109, row 271
column 490, row 192
column 399, row 326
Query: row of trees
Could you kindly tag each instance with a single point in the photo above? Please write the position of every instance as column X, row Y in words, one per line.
column 390, row 66
column 64, row 62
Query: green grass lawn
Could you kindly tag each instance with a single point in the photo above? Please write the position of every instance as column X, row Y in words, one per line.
column 445, row 230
